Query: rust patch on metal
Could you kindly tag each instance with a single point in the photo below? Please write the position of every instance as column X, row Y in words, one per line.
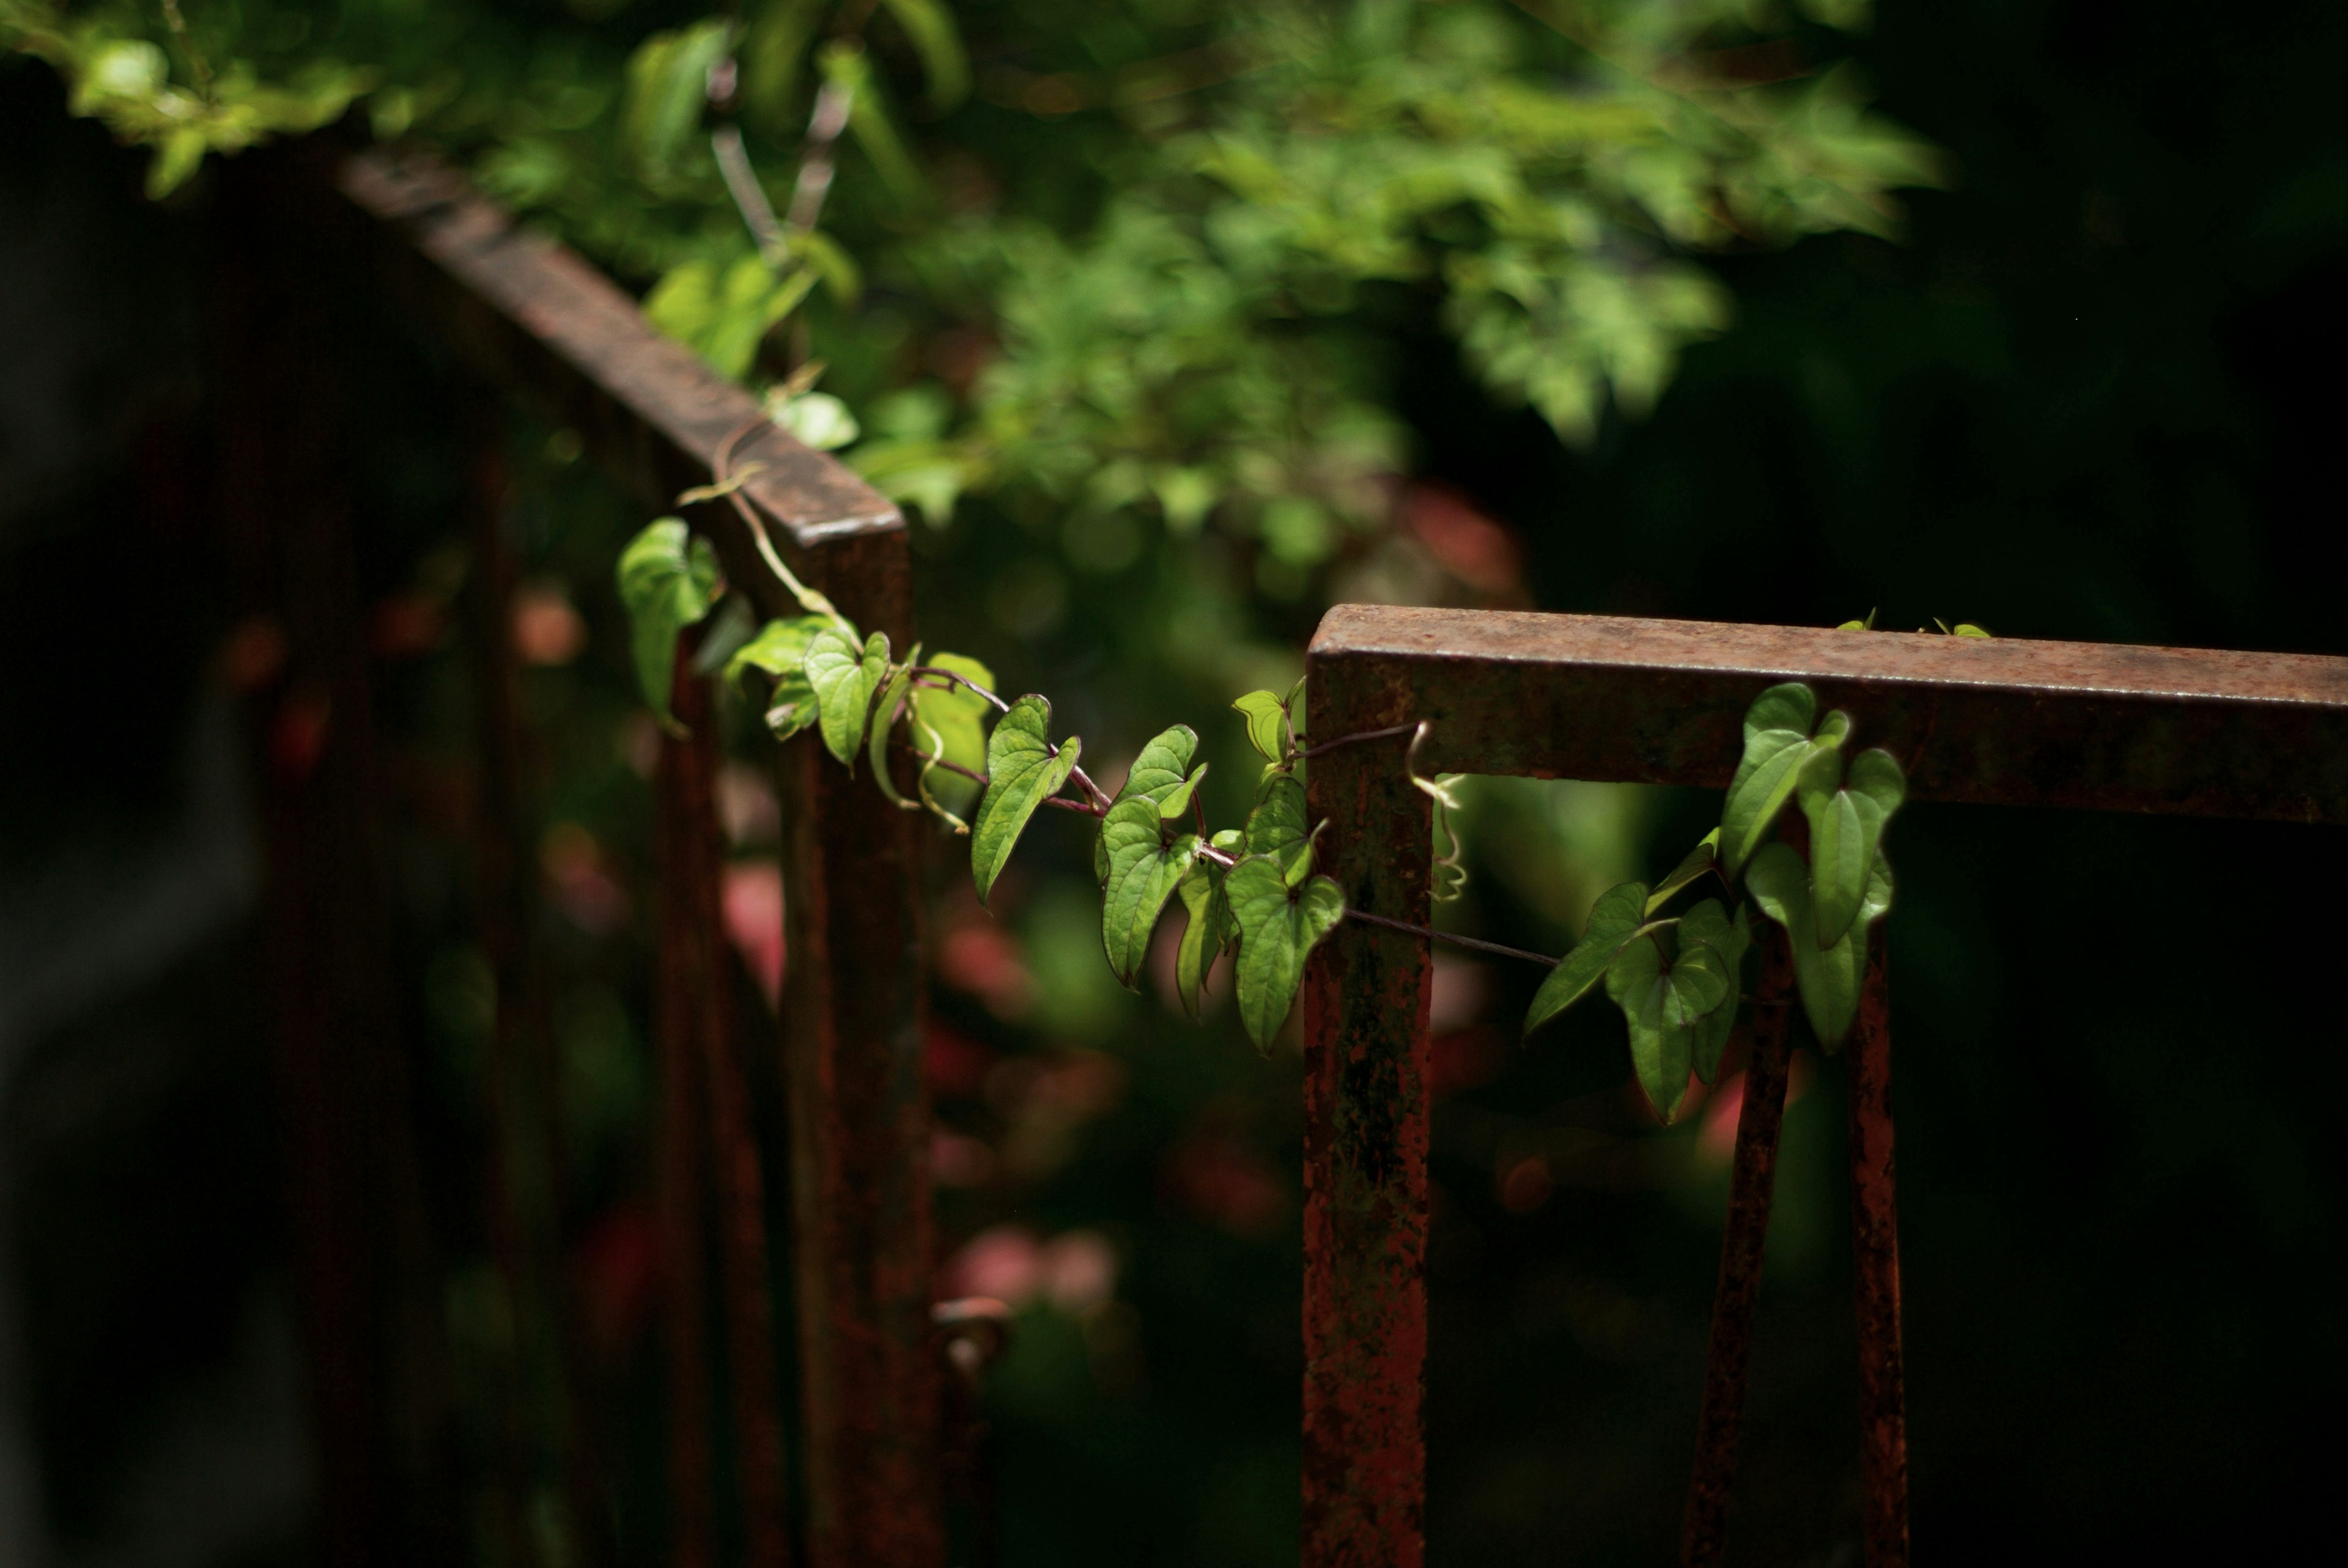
column 1760, row 1118
column 1366, row 1052
column 1875, row 1242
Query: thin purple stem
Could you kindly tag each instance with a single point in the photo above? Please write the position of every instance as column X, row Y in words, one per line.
column 1477, row 943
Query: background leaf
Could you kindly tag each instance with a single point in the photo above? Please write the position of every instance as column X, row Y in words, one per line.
column 668, row 580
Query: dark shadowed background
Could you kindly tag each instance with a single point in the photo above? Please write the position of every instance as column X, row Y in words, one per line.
column 2094, row 395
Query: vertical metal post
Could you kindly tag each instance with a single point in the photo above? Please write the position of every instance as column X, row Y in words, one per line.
column 1875, row 1241
column 1367, row 1058
column 853, row 1006
column 1751, row 1187
column 681, row 806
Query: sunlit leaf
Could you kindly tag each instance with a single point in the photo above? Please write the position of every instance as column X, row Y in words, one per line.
column 1267, row 719
column 1276, row 827
column 779, row 652
column 952, row 723
column 843, row 680
column 1143, row 872
column 1699, row 860
column 1278, row 927
column 1022, row 771
column 668, row 580
column 1614, row 919
column 1967, row 629
column 1776, row 734
column 1155, row 774
column 1828, row 977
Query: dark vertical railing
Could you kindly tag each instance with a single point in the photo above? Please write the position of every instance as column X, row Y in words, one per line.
column 1752, row 1181
column 1875, row 1245
column 1366, row 1055
column 2177, row 731
column 529, row 320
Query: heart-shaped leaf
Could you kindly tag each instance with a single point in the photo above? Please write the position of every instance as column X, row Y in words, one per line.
column 1021, row 772
column 1156, row 772
column 1708, row 926
column 779, row 652
column 1614, row 919
column 1278, row 927
column 1276, row 827
column 1699, row 860
column 1828, row 977
column 668, row 581
column 1267, row 723
column 1206, row 935
column 843, row 680
column 1777, row 731
column 1662, row 1037
column 1847, row 812
column 1143, row 873
column 1176, row 801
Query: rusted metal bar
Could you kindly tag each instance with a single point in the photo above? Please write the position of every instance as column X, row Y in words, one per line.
column 681, row 980
column 528, row 316
column 2116, row 728
column 1752, row 1184
column 1366, row 1056
column 689, row 821
column 1875, row 1244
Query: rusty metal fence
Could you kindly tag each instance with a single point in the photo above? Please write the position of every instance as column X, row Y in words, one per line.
column 2128, row 729
column 2108, row 728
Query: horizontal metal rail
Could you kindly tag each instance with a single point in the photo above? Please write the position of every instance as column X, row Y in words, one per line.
column 526, row 319
column 2156, row 730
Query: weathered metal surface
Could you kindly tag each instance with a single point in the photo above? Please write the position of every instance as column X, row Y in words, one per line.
column 1366, row 1055
column 1875, row 1245
column 1753, row 1180
column 528, row 317
column 2117, row 727
column 683, row 803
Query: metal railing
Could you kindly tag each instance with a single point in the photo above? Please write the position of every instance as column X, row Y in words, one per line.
column 2111, row 728
column 524, row 319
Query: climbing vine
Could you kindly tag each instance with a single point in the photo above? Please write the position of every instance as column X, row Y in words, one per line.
column 1251, row 891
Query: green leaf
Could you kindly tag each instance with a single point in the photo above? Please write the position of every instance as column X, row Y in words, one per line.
column 1699, row 860
column 1276, row 827
column 1144, row 871
column 1278, row 927
column 950, row 724
column 843, row 680
column 1156, row 776
column 1828, row 977
column 1776, row 734
column 1267, row 723
column 899, row 678
column 1021, row 772
column 1847, row 818
column 1205, row 936
column 668, row 580
column 779, row 652
column 1967, row 629
column 1178, row 799
column 1730, row 938
column 1662, row 1041
column 1614, row 920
